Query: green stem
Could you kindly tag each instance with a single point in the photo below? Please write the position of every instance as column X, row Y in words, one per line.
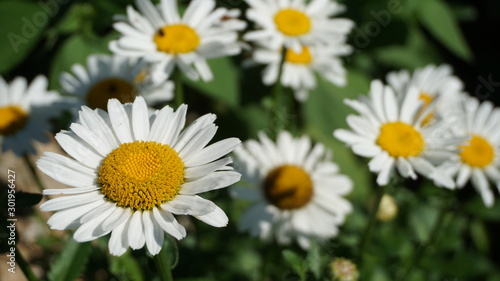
column 380, row 190
column 32, row 168
column 432, row 238
column 163, row 265
column 179, row 93
column 25, row 267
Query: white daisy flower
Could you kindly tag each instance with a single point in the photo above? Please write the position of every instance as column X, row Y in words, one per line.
column 296, row 190
column 479, row 159
column 107, row 77
column 161, row 36
column 293, row 23
column 389, row 131
column 131, row 171
column 299, row 68
column 431, row 82
column 25, row 112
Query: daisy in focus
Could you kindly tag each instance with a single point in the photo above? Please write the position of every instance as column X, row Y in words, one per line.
column 296, row 190
column 299, row 68
column 159, row 35
column 479, row 159
column 25, row 113
column 131, row 171
column 107, row 77
column 431, row 82
column 389, row 131
column 294, row 23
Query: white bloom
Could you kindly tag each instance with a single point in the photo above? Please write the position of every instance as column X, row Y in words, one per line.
column 389, row 131
column 299, row 68
column 25, row 111
column 432, row 83
column 479, row 159
column 293, row 23
column 107, row 77
column 131, row 171
column 296, row 190
column 159, row 35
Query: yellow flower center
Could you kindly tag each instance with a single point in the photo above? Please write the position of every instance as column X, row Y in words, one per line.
column 427, row 99
column 176, row 38
column 12, row 119
column 109, row 88
column 400, row 140
column 478, row 153
column 288, row 187
column 303, row 57
column 292, row 22
column 141, row 175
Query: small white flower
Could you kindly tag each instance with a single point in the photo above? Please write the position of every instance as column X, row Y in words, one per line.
column 160, row 36
column 433, row 83
column 131, row 171
column 107, row 77
column 479, row 159
column 299, row 68
column 389, row 131
column 293, row 23
column 296, row 190
column 25, row 111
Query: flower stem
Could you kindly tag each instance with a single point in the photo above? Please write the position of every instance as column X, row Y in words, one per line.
column 179, row 93
column 163, row 265
column 32, row 168
column 25, row 266
column 379, row 192
column 430, row 240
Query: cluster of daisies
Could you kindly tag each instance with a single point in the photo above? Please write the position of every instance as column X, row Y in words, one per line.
column 132, row 167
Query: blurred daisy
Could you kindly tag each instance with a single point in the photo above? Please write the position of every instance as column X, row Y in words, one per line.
column 108, row 77
column 389, row 131
column 479, row 159
column 132, row 171
column 296, row 190
column 25, row 112
column 431, row 82
column 299, row 68
column 293, row 23
column 159, row 35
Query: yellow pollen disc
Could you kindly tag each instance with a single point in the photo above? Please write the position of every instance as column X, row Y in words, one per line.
column 176, row 38
column 427, row 99
column 288, row 187
column 141, row 175
column 292, row 22
column 478, row 153
column 400, row 140
column 110, row 88
column 12, row 119
column 303, row 57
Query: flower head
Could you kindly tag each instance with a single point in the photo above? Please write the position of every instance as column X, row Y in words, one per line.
column 107, row 77
column 479, row 158
column 131, row 171
column 344, row 270
column 293, row 24
column 296, row 190
column 25, row 112
column 160, row 35
column 389, row 131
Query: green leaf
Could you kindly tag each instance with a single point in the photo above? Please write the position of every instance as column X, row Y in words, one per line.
column 437, row 17
column 71, row 261
column 296, row 262
column 21, row 27
column 75, row 50
column 126, row 267
column 315, row 260
column 224, row 87
column 170, row 246
column 479, row 236
column 422, row 220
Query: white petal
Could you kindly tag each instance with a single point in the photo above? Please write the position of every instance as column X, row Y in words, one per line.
column 119, row 121
column 212, row 181
column 71, row 201
column 189, row 205
column 168, row 223
column 216, row 218
column 213, row 152
column 140, row 119
column 136, row 232
column 154, row 235
column 481, row 184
